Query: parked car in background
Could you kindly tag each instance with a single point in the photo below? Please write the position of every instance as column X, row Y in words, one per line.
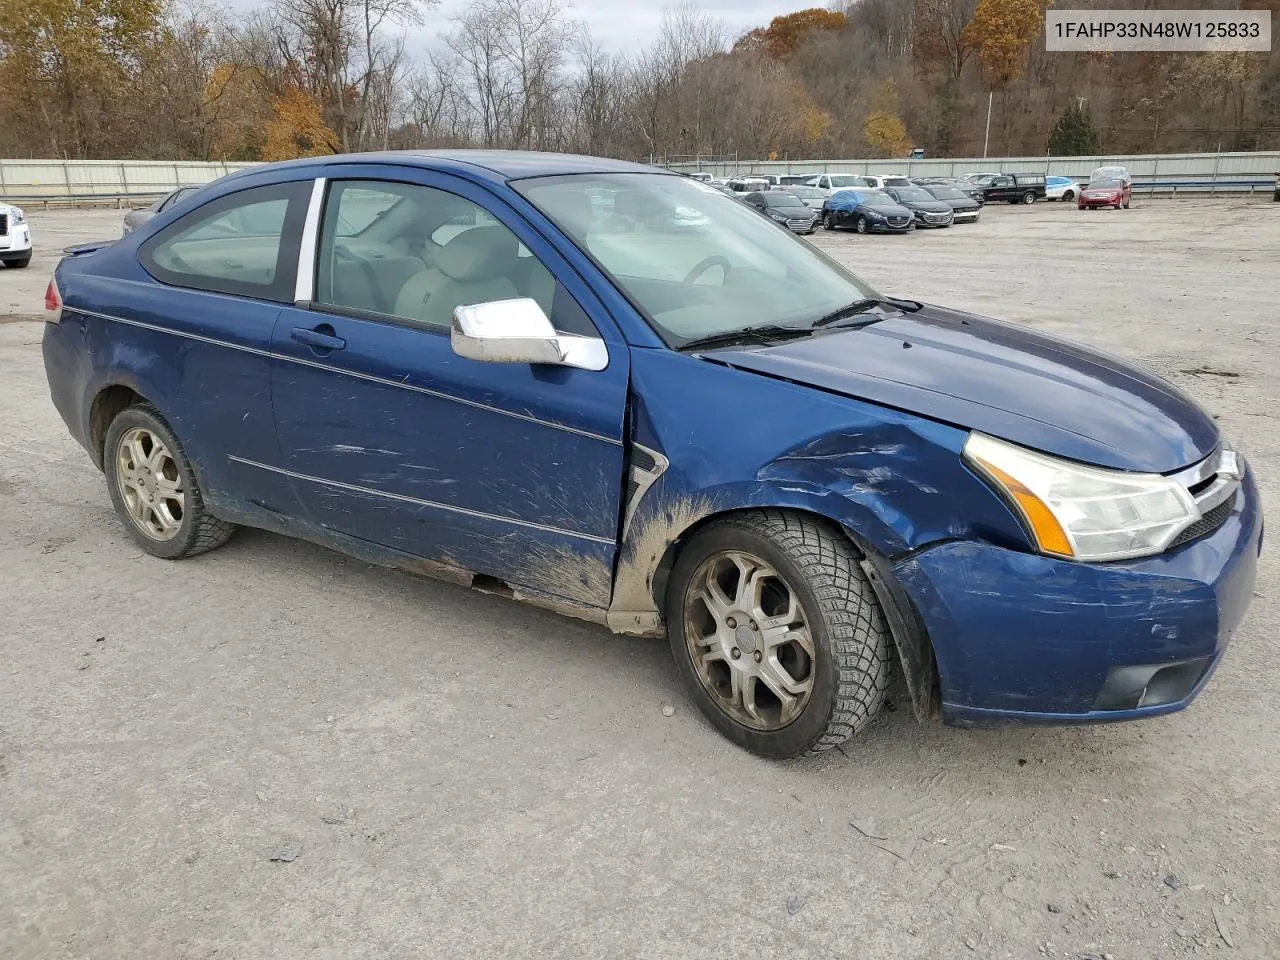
column 964, row 209
column 699, row 175
column 747, row 184
column 880, row 181
column 980, row 179
column 1111, row 173
column 866, row 210
column 970, row 190
column 1106, row 192
column 1015, row 188
column 783, row 208
column 836, row 181
column 927, row 209
column 1061, row 188
column 717, row 435
column 812, row 196
column 794, row 179
column 15, row 236
column 136, row 218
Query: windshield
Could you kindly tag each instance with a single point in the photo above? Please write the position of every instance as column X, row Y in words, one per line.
column 727, row 269
column 806, row 193
column 913, row 194
column 782, row 200
column 1104, row 185
column 947, row 193
column 842, row 181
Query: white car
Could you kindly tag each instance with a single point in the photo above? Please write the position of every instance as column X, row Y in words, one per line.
column 831, row 182
column 1111, row 173
column 882, row 180
column 15, row 237
column 1061, row 188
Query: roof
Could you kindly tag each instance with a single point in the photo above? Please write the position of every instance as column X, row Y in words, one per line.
column 516, row 164
column 499, row 165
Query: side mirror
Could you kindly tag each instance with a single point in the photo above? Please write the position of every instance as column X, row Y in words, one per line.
column 517, row 331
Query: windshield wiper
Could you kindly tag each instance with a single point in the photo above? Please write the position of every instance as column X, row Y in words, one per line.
column 851, row 310
column 767, row 334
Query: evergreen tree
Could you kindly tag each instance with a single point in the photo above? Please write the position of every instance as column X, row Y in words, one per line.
column 1074, row 135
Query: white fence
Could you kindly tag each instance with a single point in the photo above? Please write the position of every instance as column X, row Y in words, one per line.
column 103, row 179
column 1168, row 173
column 120, row 180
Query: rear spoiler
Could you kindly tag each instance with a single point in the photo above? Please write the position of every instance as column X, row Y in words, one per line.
column 82, row 248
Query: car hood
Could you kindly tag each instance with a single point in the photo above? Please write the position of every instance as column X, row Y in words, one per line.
column 886, row 209
column 1003, row 380
column 927, row 206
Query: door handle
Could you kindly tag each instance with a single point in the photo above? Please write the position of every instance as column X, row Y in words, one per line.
column 321, row 338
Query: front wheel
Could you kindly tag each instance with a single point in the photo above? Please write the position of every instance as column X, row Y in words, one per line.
column 154, row 489
column 777, row 634
column 828, row 221
column 861, row 224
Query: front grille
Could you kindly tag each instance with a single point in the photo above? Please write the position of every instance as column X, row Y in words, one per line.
column 899, row 221
column 1210, row 522
column 804, row 224
column 4, row 224
column 937, row 217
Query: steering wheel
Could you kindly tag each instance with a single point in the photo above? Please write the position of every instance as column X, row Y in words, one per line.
column 702, row 266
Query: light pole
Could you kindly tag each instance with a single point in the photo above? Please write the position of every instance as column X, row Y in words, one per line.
column 987, row 139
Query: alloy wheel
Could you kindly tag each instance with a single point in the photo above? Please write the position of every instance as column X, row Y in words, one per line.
column 151, row 484
column 749, row 640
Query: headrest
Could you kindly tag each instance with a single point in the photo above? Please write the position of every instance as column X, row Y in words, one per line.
column 480, row 253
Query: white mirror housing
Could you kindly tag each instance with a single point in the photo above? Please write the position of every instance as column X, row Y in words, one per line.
column 517, row 331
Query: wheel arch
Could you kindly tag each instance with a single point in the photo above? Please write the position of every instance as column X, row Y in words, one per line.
column 108, row 403
column 647, row 560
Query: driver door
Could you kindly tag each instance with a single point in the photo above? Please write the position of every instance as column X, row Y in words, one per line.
column 509, row 470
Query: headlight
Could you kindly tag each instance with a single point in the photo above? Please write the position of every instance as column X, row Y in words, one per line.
column 1084, row 513
column 17, row 215
column 780, row 217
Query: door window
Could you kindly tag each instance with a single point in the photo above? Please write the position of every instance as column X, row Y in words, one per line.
column 245, row 243
column 412, row 254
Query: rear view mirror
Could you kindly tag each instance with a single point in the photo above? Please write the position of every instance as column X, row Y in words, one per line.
column 517, row 331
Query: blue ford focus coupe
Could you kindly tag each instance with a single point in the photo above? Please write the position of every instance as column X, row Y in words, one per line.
column 619, row 393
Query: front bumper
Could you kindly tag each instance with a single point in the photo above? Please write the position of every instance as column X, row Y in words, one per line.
column 16, row 241
column 1025, row 638
column 1099, row 201
column 933, row 219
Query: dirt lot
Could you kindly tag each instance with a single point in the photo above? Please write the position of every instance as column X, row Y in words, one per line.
column 467, row 777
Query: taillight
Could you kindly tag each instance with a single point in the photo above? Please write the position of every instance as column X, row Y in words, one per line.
column 52, row 302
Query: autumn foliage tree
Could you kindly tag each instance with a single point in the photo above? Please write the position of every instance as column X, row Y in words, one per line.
column 297, row 128
column 784, row 34
column 81, row 55
column 1001, row 31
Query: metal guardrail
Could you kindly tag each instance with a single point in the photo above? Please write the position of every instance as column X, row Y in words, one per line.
column 119, row 181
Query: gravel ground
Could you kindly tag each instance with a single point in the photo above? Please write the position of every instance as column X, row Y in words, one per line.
column 455, row 775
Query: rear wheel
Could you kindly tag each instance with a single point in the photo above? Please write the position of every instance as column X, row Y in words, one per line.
column 860, row 224
column 18, row 264
column 1069, row 196
column 154, row 489
column 777, row 633
column 1029, row 197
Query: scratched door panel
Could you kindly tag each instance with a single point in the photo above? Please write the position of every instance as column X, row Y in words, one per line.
column 500, row 468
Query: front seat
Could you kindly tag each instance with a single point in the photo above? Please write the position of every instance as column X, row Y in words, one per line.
column 476, row 266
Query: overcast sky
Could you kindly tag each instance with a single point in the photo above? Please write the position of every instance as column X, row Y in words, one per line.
column 622, row 26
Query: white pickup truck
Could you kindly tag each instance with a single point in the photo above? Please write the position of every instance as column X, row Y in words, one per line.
column 15, row 237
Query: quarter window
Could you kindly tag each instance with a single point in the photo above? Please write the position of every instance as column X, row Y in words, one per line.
column 245, row 243
column 414, row 253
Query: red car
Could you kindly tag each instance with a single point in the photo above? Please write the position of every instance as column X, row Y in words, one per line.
column 1105, row 193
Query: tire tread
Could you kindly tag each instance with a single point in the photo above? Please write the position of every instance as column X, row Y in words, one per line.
column 855, row 625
